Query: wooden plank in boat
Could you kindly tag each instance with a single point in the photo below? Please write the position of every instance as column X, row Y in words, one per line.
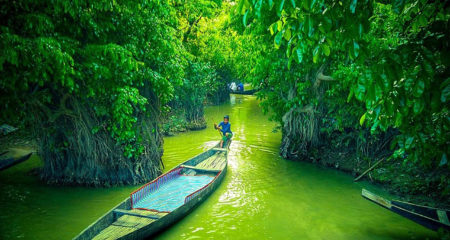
column 200, row 169
column 220, row 149
column 136, row 213
column 377, row 199
column 123, row 226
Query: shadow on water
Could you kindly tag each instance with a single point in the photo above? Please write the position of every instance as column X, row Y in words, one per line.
column 262, row 196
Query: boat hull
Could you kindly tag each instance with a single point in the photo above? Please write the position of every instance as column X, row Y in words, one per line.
column 7, row 162
column 428, row 217
column 246, row 92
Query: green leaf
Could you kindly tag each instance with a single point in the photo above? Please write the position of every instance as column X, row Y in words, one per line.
column 443, row 160
column 355, row 49
column 293, row 3
column 288, row 48
column 398, row 119
column 277, row 40
column 280, row 8
column 398, row 6
column 374, row 127
column 353, row 5
column 258, row 6
column 273, row 28
column 445, row 94
column 270, row 4
column 244, row 19
column 418, row 106
column 306, row 4
column 279, row 25
column 326, row 49
column 310, row 27
column 419, row 88
column 316, row 54
column 290, row 61
column 299, row 55
column 362, row 119
column 240, row 6
column 287, row 34
column 408, row 142
column 350, row 95
column 360, row 30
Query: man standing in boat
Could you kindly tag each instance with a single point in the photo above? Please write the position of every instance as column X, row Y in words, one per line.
column 225, row 128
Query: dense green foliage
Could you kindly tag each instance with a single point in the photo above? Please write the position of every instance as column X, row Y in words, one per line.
column 86, row 76
column 388, row 67
column 208, row 54
column 96, row 81
column 200, row 79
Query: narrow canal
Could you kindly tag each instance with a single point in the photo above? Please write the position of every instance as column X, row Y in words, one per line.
column 262, row 197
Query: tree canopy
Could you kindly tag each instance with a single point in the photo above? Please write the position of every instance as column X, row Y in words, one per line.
column 374, row 73
column 387, row 73
column 391, row 57
column 103, row 66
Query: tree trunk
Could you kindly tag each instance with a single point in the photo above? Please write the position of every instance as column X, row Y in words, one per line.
column 301, row 126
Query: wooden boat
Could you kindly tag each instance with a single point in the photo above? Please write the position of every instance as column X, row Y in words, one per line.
column 12, row 158
column 163, row 201
column 432, row 218
column 246, row 92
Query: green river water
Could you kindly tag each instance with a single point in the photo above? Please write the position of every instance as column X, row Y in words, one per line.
column 262, row 196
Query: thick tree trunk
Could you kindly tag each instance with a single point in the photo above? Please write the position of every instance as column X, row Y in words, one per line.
column 301, row 126
column 74, row 154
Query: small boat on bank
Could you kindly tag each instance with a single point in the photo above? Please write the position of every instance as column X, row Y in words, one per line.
column 163, row 201
column 13, row 157
column 432, row 218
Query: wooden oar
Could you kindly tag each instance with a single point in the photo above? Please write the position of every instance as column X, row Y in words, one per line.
column 218, row 129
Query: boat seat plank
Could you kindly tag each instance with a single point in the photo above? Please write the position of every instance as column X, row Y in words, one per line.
column 200, row 169
column 220, row 149
column 377, row 199
column 123, row 226
column 113, row 232
column 136, row 213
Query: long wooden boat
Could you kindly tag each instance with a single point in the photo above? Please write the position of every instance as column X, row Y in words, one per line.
column 245, row 92
column 432, row 218
column 12, row 158
column 163, row 201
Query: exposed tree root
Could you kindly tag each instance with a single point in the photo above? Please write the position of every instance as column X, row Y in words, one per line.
column 74, row 154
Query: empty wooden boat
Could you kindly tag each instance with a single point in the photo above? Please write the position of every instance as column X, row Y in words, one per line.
column 432, row 218
column 13, row 157
column 163, row 201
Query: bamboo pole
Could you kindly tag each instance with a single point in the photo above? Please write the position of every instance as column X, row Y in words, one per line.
column 368, row 170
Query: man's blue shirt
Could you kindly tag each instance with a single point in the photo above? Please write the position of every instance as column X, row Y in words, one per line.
column 225, row 127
